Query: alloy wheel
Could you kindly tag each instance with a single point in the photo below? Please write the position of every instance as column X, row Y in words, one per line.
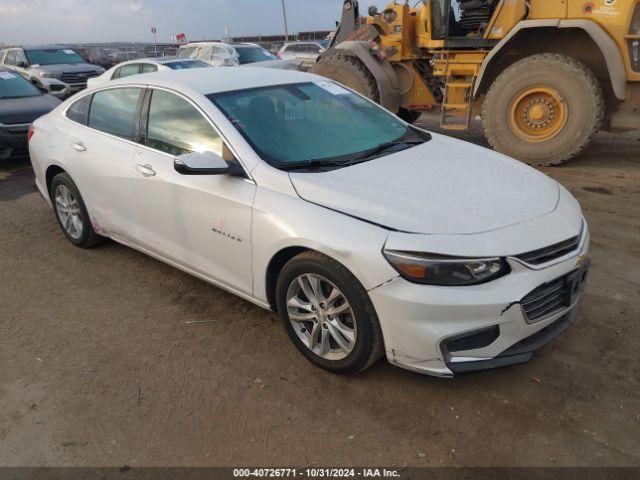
column 69, row 212
column 321, row 316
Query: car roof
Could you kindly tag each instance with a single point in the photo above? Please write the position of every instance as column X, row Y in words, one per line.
column 216, row 80
column 160, row 61
column 45, row 47
column 244, row 44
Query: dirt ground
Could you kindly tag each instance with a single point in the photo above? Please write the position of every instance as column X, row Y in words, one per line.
column 102, row 365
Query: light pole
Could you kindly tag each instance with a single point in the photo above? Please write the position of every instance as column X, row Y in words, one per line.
column 286, row 30
column 155, row 45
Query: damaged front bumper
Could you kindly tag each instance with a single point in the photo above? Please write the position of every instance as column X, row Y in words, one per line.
column 444, row 331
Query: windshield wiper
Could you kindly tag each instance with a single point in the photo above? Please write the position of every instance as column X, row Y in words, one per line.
column 382, row 147
column 312, row 164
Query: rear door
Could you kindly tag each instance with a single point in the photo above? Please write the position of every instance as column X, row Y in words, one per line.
column 97, row 144
column 202, row 222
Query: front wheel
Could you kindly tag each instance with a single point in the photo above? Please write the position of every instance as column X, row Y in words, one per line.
column 543, row 109
column 328, row 314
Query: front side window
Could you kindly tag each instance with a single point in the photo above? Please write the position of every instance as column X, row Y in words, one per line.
column 13, row 85
column 53, row 56
column 20, row 58
column 253, row 55
column 79, row 110
column 312, row 122
column 126, row 71
column 113, row 111
column 176, row 127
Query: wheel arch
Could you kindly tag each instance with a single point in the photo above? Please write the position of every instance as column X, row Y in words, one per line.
column 583, row 40
column 274, row 267
column 52, row 171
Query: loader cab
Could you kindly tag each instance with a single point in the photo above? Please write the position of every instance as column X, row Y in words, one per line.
column 462, row 23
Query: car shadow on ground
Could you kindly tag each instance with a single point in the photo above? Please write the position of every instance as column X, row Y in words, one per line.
column 16, row 179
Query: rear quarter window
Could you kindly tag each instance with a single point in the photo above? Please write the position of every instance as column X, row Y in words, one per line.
column 79, row 110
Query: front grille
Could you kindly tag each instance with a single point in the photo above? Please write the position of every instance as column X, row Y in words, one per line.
column 547, row 254
column 553, row 296
column 545, row 299
column 78, row 77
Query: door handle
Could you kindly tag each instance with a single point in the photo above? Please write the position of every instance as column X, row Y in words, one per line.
column 146, row 170
column 79, row 146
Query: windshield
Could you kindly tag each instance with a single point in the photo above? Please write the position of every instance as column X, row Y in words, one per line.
column 53, row 56
column 319, row 122
column 254, row 54
column 13, row 85
column 185, row 52
column 181, row 65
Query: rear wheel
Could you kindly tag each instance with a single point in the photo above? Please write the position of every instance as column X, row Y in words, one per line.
column 543, row 109
column 328, row 314
column 71, row 212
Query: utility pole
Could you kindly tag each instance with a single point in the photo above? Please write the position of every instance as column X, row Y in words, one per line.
column 286, row 30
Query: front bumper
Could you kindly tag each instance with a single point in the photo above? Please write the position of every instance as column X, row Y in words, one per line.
column 487, row 323
column 13, row 140
column 57, row 88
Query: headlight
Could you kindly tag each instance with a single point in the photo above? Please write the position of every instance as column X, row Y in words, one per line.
column 431, row 269
column 49, row 75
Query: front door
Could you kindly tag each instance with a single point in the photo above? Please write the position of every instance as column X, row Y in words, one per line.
column 202, row 222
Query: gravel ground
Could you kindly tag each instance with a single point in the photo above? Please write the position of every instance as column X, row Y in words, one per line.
column 101, row 363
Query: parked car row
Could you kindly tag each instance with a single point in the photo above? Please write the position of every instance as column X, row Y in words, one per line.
column 30, row 72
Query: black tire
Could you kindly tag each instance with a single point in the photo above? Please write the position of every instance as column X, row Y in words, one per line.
column 349, row 71
column 88, row 237
column 579, row 89
column 409, row 116
column 369, row 346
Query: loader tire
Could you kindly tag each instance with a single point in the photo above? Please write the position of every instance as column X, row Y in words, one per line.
column 349, row 71
column 543, row 109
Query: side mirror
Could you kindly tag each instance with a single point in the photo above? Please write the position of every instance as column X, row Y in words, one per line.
column 205, row 163
column 22, row 64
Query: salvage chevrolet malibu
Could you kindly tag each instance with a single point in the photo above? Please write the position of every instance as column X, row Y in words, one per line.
column 367, row 235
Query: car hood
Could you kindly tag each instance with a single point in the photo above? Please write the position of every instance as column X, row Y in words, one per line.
column 27, row 109
column 69, row 68
column 443, row 186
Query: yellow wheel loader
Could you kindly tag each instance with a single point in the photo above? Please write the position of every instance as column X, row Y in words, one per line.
column 543, row 75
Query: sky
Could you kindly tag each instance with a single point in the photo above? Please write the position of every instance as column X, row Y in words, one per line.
column 85, row 21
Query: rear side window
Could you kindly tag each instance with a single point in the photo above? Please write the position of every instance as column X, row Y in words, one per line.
column 113, row 111
column 177, row 127
column 126, row 71
column 79, row 110
column 148, row 68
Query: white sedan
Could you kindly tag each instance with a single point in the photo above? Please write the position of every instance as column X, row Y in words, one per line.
column 145, row 65
column 368, row 236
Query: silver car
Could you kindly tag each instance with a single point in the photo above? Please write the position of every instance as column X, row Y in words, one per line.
column 54, row 69
column 305, row 52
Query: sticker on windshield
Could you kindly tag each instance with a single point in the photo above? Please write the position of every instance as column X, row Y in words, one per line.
column 69, row 52
column 7, row 75
column 293, row 111
column 333, row 88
